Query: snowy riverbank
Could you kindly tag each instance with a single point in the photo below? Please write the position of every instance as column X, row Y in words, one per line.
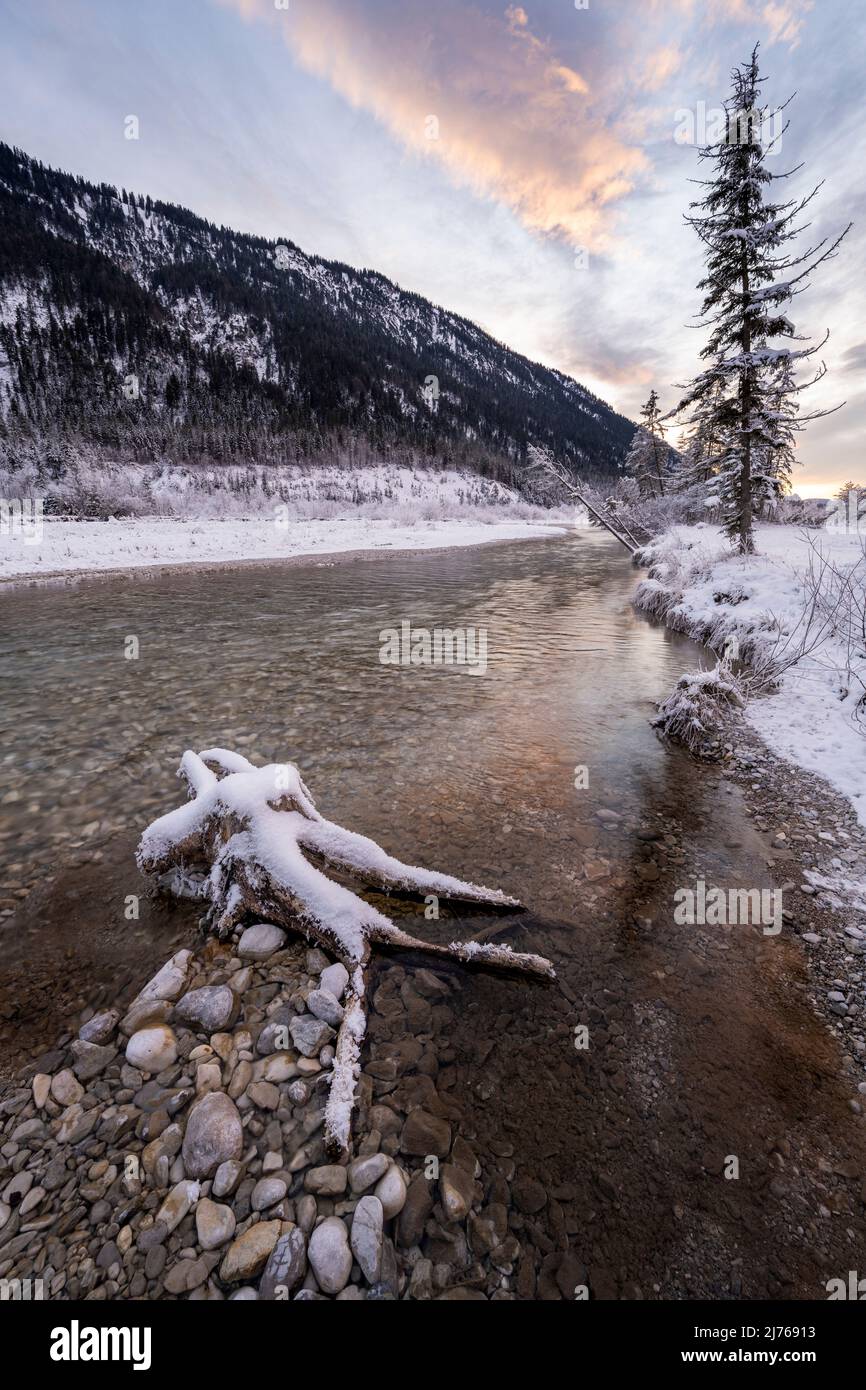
column 801, row 596
column 65, row 547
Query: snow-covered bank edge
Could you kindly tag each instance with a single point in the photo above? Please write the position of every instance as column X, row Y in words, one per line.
column 99, row 547
column 758, row 610
column 795, row 753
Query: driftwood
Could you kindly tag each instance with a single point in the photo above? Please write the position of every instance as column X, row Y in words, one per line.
column 248, row 842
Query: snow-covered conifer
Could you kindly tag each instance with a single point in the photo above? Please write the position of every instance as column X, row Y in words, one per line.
column 746, row 397
column 647, row 458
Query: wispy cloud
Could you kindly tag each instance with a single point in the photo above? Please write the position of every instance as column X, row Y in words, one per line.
column 494, row 102
column 780, row 20
column 777, row 21
column 854, row 360
column 659, row 67
column 550, row 127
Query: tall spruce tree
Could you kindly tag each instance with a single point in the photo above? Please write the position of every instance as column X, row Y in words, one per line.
column 647, row 458
column 746, row 398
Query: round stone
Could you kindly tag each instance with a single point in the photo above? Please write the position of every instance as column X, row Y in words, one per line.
column 65, row 1089
column 152, row 1049
column 101, row 1027
column 211, row 1008
column 367, row 1237
column 334, row 979
column 249, row 1253
column 324, row 1006
column 226, row 1178
column 330, row 1255
column 260, row 941
column 214, row 1224
column 214, row 1135
column 310, row 1034
column 267, row 1192
column 391, row 1191
column 41, row 1089
column 327, row 1181
column 365, row 1172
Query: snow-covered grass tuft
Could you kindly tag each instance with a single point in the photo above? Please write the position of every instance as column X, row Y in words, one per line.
column 692, row 713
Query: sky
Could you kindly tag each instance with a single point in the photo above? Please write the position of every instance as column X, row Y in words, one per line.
column 527, row 166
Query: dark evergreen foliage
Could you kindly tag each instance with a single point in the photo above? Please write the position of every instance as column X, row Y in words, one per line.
column 743, row 408
column 138, row 330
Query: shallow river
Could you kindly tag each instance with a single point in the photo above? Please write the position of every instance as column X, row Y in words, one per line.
column 476, row 770
column 541, row 776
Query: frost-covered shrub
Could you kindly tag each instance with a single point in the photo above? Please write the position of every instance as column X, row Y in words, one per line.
column 645, row 517
column 694, row 711
column 78, row 483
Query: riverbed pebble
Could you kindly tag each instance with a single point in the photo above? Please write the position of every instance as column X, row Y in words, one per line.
column 324, row 1006
column 367, row 1234
column 212, row 1008
column 259, row 942
column 334, row 979
column 330, row 1256
column 214, row 1135
column 152, row 1049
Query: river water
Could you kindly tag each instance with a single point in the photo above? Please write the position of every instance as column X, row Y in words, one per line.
column 541, row 776
column 476, row 771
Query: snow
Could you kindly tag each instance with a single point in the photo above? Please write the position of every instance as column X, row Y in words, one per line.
column 690, row 712
column 274, row 839
column 503, row 954
column 271, row 840
column 93, row 546
column 781, row 290
column 279, row 821
column 840, row 890
column 701, row 588
column 347, row 1065
column 353, row 851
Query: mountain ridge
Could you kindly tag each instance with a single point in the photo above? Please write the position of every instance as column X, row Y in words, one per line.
column 134, row 330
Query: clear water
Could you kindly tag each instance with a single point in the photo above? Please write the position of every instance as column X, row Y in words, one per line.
column 474, row 774
column 700, row 1039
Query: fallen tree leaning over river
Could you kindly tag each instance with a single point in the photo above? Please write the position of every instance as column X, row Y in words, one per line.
column 246, row 843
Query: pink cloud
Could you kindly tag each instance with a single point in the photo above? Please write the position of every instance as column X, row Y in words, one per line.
column 785, row 21
column 660, row 66
column 510, row 119
column 498, row 107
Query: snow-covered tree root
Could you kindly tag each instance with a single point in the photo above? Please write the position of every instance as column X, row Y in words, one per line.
column 241, row 843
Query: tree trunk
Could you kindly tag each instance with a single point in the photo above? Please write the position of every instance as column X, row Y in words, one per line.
column 746, row 542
